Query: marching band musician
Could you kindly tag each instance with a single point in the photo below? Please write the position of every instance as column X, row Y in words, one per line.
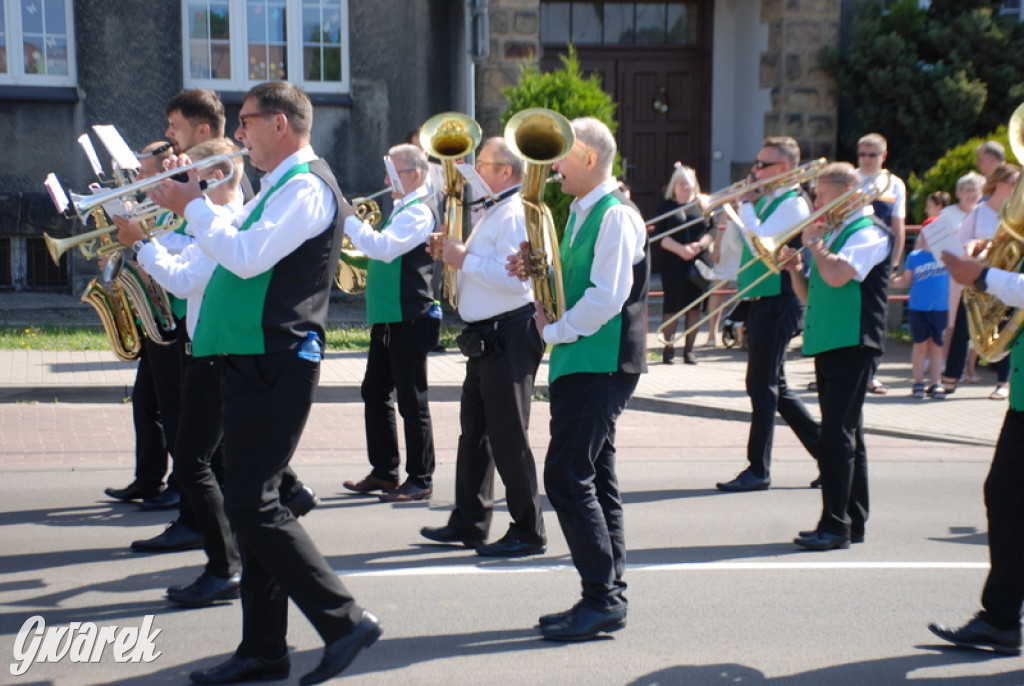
column 267, row 295
column 398, row 303
column 598, row 353
column 997, row 625
column 844, row 330
column 504, row 350
column 773, row 319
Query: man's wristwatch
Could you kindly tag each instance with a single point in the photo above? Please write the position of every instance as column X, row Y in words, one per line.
column 980, row 284
column 812, row 241
column 137, row 245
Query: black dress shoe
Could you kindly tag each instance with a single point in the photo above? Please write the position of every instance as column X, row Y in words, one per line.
column 816, row 483
column 166, row 500
column 303, row 501
column 205, row 590
column 556, row 617
column 745, row 481
column 175, row 537
column 510, row 545
column 238, row 669
column 448, row 534
column 370, row 484
column 822, row 540
column 339, row 654
column 131, row 492
column 854, row 538
column 979, row 634
column 584, row 623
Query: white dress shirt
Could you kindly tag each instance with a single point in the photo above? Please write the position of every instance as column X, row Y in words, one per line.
column 865, row 249
column 302, row 208
column 980, row 224
column 619, row 246
column 485, row 287
column 896, row 193
column 787, row 214
column 409, row 227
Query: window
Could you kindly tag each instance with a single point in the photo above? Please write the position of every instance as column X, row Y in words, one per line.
column 1011, row 8
column 585, row 22
column 36, row 43
column 235, row 44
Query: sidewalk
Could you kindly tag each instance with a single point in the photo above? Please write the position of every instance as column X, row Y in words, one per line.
column 712, row 388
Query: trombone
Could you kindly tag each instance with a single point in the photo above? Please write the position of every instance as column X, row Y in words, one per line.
column 712, row 203
column 766, row 249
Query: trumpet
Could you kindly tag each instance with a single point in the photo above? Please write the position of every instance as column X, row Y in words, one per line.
column 84, row 204
column 712, row 203
column 767, row 251
column 449, row 136
column 86, row 242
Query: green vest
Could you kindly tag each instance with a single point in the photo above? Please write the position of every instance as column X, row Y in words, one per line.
column 598, row 353
column 833, row 317
column 384, row 282
column 231, row 315
column 1017, row 375
column 771, row 285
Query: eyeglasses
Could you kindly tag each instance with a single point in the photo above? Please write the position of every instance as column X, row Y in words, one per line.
column 761, row 164
column 406, row 171
column 482, row 163
column 869, row 154
column 242, row 118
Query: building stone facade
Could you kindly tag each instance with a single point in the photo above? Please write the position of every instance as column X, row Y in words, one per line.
column 804, row 99
column 515, row 41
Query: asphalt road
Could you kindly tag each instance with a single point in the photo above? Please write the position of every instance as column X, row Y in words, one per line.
column 718, row 593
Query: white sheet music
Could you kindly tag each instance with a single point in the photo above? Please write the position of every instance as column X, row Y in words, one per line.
column 115, row 145
column 941, row 236
column 57, row 194
column 90, row 152
column 396, row 182
column 479, row 186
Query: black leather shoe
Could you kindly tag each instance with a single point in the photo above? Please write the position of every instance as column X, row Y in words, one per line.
column 822, row 540
column 745, row 481
column 206, row 590
column 816, row 483
column 166, row 500
column 238, row 669
column 979, row 634
column 175, row 537
column 131, row 492
column 303, row 501
column 556, row 617
column 370, row 484
column 338, row 655
column 854, row 538
column 584, row 623
column 448, row 534
column 510, row 545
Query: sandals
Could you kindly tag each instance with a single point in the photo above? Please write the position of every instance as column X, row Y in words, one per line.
column 877, row 387
column 949, row 385
column 937, row 391
column 1002, row 392
column 918, row 391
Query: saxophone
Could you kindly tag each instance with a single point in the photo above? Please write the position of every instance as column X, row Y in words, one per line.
column 994, row 326
column 114, row 310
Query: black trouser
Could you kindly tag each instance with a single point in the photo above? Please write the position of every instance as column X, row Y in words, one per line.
column 843, row 376
column 1003, row 594
column 198, row 464
column 156, row 401
column 580, row 480
column 266, row 404
column 959, row 344
column 397, row 362
column 771, row 324
column 494, row 417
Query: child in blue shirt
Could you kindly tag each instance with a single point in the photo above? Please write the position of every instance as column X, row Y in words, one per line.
column 928, row 280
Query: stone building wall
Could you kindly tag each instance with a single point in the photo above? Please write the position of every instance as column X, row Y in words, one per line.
column 804, row 98
column 515, row 40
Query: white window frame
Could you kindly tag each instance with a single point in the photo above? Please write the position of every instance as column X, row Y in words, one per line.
column 15, row 74
column 238, row 54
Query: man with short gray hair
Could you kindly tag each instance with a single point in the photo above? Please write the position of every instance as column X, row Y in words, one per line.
column 989, row 155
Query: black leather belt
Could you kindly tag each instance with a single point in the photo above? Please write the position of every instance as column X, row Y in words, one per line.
column 511, row 314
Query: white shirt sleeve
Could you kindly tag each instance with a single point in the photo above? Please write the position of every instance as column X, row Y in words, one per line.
column 408, row 230
column 619, row 246
column 787, row 214
column 185, row 274
column 1007, row 286
column 487, row 264
column 302, row 208
column 864, row 250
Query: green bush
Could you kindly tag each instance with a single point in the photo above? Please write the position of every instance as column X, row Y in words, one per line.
column 571, row 94
column 943, row 175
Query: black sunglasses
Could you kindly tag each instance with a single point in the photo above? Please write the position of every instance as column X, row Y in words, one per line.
column 761, row 164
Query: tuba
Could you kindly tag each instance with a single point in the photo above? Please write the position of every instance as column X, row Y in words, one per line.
column 115, row 312
column 993, row 325
column 450, row 136
column 148, row 299
column 541, row 137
